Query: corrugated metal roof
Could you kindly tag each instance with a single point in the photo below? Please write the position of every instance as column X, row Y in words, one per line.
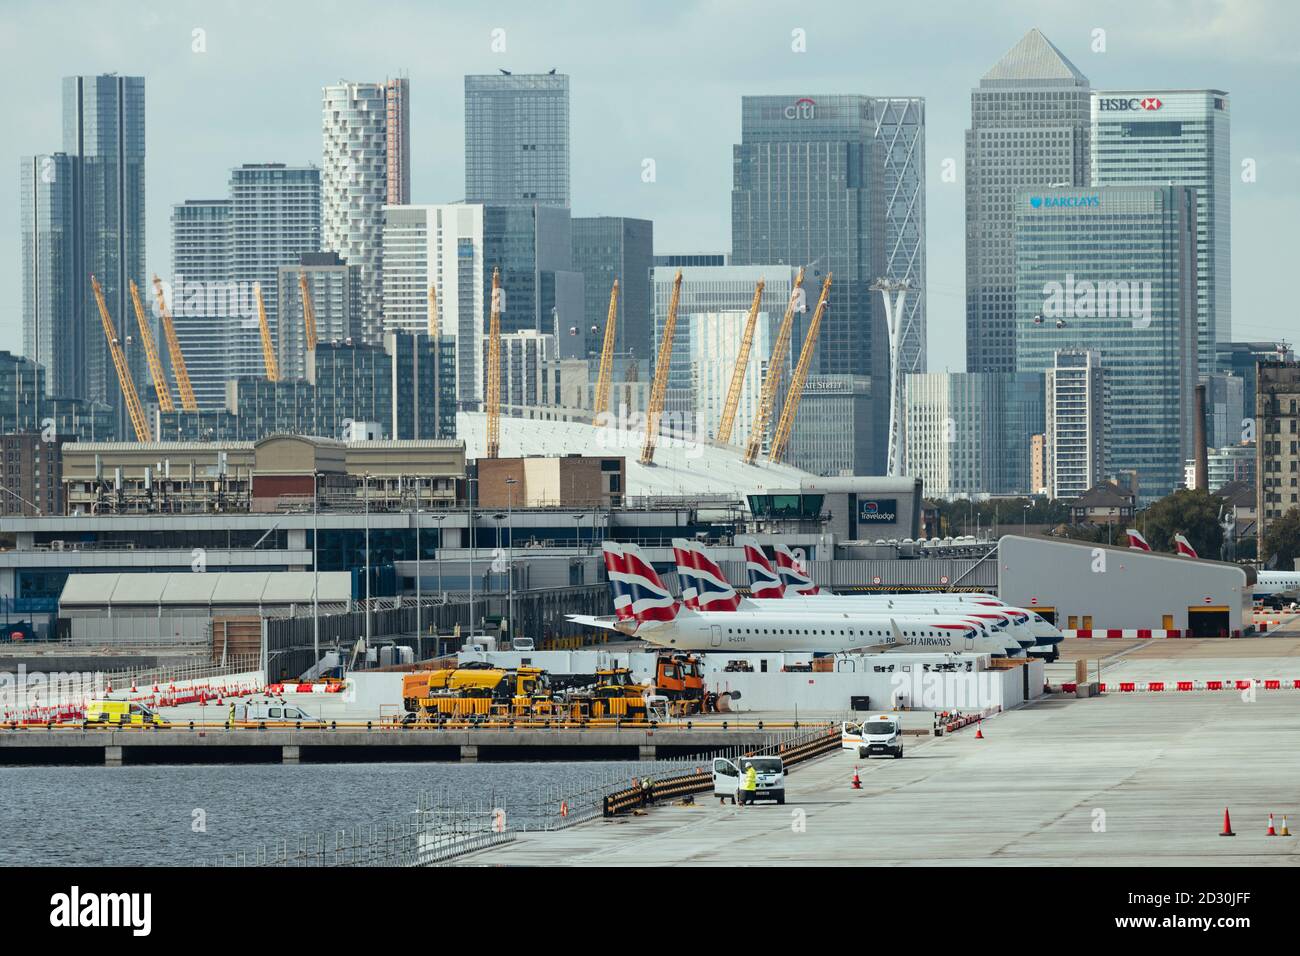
column 139, row 588
column 867, row 484
column 199, row 447
column 408, row 443
column 88, row 589
column 240, row 587
column 295, row 587
column 180, row 588
column 192, row 588
column 320, row 440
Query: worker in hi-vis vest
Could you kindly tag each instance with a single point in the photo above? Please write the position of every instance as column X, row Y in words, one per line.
column 749, row 785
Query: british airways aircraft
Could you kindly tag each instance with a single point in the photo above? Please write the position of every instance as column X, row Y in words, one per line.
column 644, row 607
column 703, row 581
column 790, row 582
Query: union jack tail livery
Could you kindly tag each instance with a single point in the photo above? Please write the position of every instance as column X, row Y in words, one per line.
column 764, row 582
column 704, row 586
column 793, row 575
column 638, row 593
column 1135, row 540
column 1185, row 549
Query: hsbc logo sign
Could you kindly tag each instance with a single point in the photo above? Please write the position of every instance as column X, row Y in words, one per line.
column 1122, row 104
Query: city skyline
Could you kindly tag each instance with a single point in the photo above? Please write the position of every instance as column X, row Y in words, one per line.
column 690, row 148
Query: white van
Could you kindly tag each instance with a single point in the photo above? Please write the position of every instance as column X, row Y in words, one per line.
column 770, row 774
column 878, row 734
column 271, row 711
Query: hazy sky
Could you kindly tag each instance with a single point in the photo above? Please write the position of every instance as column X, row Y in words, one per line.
column 658, row 80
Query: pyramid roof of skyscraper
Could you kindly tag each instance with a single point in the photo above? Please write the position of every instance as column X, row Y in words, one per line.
column 1034, row 58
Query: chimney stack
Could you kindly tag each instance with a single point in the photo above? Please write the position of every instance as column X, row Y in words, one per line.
column 1201, row 477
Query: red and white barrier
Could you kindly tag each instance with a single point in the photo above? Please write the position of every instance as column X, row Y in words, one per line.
column 947, row 726
column 201, row 691
column 1114, row 633
column 278, row 690
column 1158, row 686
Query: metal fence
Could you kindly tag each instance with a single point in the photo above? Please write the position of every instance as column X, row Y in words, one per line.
column 186, row 671
column 445, row 824
column 289, row 641
column 76, row 687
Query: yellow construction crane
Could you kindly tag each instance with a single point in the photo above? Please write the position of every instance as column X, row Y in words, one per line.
column 308, row 311
column 775, row 368
column 783, row 428
column 160, row 386
column 433, row 311
column 133, row 407
column 268, row 349
column 188, row 401
column 742, row 363
column 493, row 392
column 659, row 386
column 605, row 379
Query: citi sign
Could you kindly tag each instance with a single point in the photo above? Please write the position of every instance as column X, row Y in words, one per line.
column 801, row 109
column 1120, row 104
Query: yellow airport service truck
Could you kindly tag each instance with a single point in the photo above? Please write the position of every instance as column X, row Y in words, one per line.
column 471, row 692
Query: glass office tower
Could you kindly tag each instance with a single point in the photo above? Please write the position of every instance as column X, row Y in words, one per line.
column 606, row 248
column 517, row 139
column 53, row 334
column 971, row 433
column 1177, row 138
column 103, row 132
column 1113, row 270
column 1029, row 128
column 808, row 189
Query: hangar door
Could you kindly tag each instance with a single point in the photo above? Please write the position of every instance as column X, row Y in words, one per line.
column 1207, row 622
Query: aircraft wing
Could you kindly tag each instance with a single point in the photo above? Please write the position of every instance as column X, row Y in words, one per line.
column 869, row 648
column 604, row 623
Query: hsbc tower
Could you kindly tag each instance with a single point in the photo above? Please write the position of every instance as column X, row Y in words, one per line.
column 1177, row 138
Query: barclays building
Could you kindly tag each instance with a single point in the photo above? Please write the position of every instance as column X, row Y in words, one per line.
column 1113, row 270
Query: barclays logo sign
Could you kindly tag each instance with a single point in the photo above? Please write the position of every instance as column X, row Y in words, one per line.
column 1071, row 202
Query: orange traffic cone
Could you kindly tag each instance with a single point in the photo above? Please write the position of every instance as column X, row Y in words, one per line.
column 857, row 781
column 564, row 808
column 1227, row 824
column 979, row 731
column 1285, row 831
column 1271, row 830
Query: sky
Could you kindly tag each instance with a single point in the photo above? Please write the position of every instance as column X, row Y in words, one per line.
column 659, row 81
